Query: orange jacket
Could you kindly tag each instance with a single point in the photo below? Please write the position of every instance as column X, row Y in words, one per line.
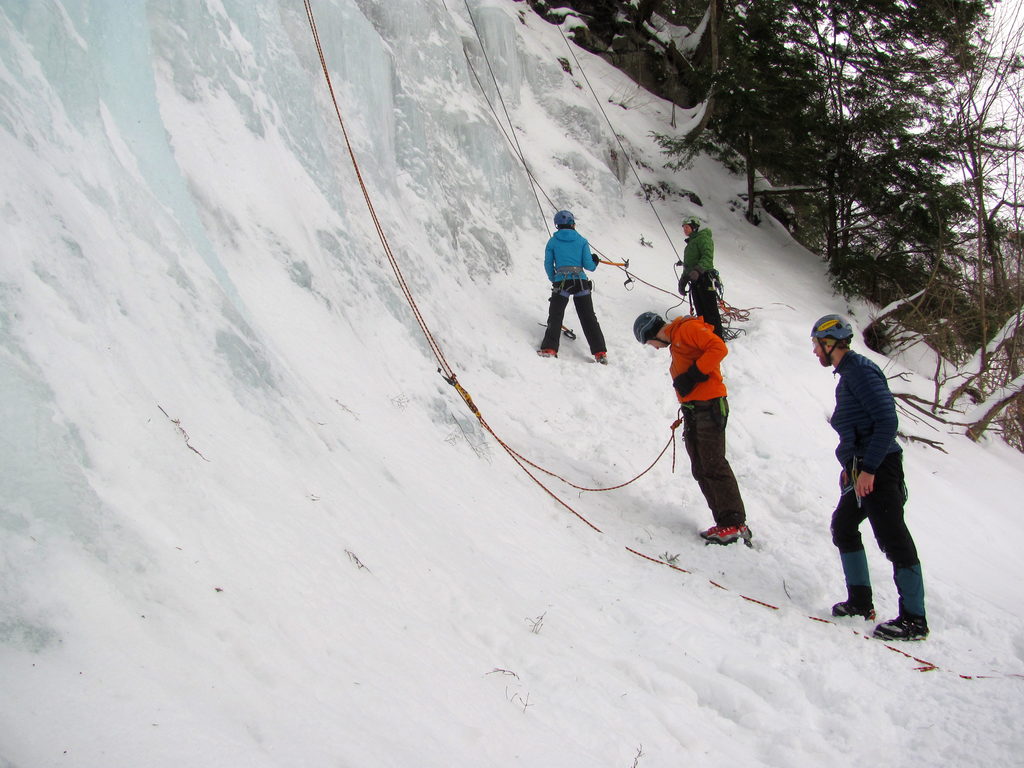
column 694, row 341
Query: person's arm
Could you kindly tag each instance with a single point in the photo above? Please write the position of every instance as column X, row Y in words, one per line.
column 713, row 349
column 549, row 261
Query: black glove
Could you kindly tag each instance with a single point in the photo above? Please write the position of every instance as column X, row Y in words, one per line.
column 694, row 276
column 684, row 286
column 686, row 381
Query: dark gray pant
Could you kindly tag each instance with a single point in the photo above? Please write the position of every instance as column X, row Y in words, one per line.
column 584, row 302
column 704, row 437
column 705, row 303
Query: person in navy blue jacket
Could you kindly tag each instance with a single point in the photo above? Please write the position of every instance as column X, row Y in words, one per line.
column 871, row 483
column 567, row 259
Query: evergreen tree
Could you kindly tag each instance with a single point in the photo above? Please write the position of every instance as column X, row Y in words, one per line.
column 844, row 98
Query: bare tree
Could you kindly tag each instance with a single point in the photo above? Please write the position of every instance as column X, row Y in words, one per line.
column 990, row 132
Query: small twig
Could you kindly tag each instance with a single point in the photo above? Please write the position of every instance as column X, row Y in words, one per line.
column 639, row 754
column 535, row 624
column 177, row 423
column 345, row 408
column 525, row 702
column 357, row 561
column 933, row 443
column 498, row 670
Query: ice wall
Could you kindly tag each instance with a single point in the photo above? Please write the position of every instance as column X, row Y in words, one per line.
column 180, row 212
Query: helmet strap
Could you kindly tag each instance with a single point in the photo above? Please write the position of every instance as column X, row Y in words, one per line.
column 827, row 351
column 843, row 344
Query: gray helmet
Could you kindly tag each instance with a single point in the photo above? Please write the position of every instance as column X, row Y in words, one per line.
column 693, row 222
column 832, row 327
column 646, row 326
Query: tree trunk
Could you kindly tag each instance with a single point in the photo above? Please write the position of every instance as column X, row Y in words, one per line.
column 1012, row 392
column 750, row 177
column 712, row 38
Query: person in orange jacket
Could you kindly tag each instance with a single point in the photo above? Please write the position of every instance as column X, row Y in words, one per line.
column 697, row 354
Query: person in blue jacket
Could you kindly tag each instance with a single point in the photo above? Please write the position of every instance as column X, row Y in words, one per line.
column 871, row 484
column 567, row 259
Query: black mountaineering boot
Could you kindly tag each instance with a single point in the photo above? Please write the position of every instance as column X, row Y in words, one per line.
column 903, row 627
column 858, row 603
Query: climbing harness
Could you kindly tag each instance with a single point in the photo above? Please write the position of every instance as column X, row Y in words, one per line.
column 573, row 282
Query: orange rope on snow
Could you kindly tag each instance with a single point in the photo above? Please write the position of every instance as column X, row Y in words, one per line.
column 671, row 443
column 926, row 666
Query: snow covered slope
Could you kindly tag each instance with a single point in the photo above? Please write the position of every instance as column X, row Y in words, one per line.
column 245, row 522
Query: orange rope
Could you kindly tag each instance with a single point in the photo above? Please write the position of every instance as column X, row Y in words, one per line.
column 434, row 346
column 671, row 443
column 926, row 666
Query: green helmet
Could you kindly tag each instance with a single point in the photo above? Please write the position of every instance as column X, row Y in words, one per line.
column 832, row 327
column 693, row 222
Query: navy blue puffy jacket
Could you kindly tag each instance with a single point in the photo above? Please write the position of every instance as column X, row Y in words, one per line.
column 865, row 414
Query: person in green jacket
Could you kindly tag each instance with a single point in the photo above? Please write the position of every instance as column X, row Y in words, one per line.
column 699, row 273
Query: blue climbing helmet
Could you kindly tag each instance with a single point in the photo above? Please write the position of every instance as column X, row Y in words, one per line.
column 564, row 219
column 832, row 327
column 646, row 326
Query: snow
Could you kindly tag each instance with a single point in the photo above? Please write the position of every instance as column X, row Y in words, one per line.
column 243, row 521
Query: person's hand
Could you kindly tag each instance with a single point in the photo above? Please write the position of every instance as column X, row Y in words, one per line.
column 694, row 276
column 865, row 484
column 684, row 285
column 690, row 378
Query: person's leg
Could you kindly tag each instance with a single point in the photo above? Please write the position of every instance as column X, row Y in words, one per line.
column 846, row 520
column 705, row 303
column 885, row 513
column 693, row 449
column 556, row 311
column 711, row 469
column 588, row 321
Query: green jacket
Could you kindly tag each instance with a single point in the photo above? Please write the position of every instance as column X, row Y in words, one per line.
column 700, row 252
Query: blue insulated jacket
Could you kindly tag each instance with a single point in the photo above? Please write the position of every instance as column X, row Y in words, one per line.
column 568, row 248
column 865, row 414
